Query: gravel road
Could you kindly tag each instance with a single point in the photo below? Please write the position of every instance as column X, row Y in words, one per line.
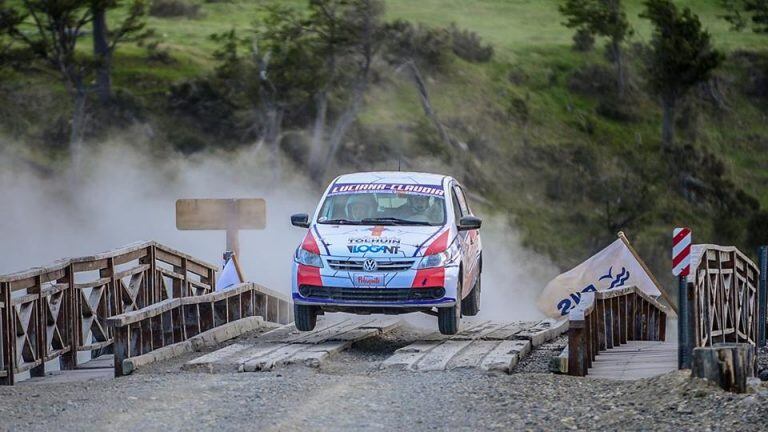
column 351, row 393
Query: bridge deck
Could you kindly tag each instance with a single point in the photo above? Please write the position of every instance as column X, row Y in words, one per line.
column 101, row 368
column 634, row 360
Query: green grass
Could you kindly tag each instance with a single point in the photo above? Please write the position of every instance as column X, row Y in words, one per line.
column 530, row 40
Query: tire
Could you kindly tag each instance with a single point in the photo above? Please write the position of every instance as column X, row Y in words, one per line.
column 470, row 306
column 305, row 317
column 449, row 319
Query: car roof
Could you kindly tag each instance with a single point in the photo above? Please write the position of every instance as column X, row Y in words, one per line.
column 392, row 177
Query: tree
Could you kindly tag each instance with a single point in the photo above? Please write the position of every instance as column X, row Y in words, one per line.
column 602, row 18
column 741, row 13
column 51, row 29
column 132, row 28
column 681, row 56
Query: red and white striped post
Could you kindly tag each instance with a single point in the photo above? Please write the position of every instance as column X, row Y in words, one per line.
column 681, row 267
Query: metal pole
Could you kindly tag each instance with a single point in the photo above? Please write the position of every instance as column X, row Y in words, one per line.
column 683, row 360
column 762, row 294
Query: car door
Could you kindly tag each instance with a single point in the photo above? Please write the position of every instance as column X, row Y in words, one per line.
column 471, row 242
column 463, row 237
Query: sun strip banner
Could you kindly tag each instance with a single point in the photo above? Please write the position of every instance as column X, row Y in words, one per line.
column 418, row 189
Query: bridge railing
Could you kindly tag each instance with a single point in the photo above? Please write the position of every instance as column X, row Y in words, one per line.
column 176, row 320
column 725, row 296
column 605, row 319
column 55, row 311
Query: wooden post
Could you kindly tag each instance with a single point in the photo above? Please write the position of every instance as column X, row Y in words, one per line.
column 121, row 348
column 576, row 350
column 726, row 364
column 39, row 325
column 762, row 294
column 69, row 359
column 7, row 327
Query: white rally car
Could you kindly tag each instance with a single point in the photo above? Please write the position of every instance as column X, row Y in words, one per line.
column 389, row 242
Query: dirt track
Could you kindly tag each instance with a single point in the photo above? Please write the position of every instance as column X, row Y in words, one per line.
column 352, row 393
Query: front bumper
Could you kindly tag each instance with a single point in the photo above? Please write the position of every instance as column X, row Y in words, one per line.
column 406, row 289
column 373, row 297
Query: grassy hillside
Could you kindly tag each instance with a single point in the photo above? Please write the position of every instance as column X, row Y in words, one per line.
column 548, row 144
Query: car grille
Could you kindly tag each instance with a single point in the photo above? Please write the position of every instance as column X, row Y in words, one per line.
column 353, row 264
column 371, row 294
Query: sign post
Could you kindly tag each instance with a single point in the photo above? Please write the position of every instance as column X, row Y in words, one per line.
column 231, row 215
column 762, row 294
column 681, row 267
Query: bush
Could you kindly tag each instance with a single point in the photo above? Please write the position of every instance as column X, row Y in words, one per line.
column 469, row 46
column 583, row 40
column 426, row 45
column 174, row 9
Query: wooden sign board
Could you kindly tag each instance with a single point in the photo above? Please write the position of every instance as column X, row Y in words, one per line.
column 221, row 214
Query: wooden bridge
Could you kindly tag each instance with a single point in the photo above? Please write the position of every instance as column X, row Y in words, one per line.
column 130, row 301
column 113, row 312
column 620, row 334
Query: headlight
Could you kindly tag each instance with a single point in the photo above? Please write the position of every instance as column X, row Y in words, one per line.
column 308, row 258
column 442, row 259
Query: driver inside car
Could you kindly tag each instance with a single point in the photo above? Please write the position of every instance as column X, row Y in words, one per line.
column 419, row 208
column 361, row 207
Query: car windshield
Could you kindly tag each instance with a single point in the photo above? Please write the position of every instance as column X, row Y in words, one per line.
column 383, row 204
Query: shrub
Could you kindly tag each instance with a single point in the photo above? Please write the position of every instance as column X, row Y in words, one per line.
column 583, row 40
column 426, row 45
column 174, row 9
column 469, row 46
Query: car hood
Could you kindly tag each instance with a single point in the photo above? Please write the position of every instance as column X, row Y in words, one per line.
column 374, row 241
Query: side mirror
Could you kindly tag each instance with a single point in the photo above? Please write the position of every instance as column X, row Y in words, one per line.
column 468, row 223
column 300, row 220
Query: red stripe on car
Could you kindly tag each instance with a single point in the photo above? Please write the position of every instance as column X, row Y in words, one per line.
column 439, row 245
column 309, row 244
column 429, row 278
column 309, row 275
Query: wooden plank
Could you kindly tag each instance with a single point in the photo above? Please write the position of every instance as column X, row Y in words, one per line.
column 204, row 362
column 472, row 356
column 406, row 357
column 348, row 331
column 273, row 359
column 506, row 355
column 315, row 355
column 467, row 328
column 506, row 331
column 439, row 357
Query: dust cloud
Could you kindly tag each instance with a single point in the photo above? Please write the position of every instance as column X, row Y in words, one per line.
column 123, row 194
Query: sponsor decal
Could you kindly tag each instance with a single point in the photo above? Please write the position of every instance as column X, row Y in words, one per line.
column 363, row 248
column 565, row 305
column 374, row 240
column 369, row 280
column 377, row 230
column 431, row 190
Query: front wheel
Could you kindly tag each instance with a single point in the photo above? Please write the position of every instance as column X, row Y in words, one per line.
column 305, row 317
column 470, row 306
column 449, row 318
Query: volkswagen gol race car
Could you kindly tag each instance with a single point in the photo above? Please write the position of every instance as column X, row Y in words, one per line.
column 392, row 243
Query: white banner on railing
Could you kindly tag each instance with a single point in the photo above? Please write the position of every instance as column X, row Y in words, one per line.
column 615, row 266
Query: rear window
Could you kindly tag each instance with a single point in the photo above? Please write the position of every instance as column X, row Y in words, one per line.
column 374, row 203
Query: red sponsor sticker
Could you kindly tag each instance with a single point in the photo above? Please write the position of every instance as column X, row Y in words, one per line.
column 369, row 280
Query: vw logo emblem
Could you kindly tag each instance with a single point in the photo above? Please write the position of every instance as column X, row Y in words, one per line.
column 370, row 265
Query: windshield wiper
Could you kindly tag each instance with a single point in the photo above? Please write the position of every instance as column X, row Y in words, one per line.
column 340, row 222
column 393, row 221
